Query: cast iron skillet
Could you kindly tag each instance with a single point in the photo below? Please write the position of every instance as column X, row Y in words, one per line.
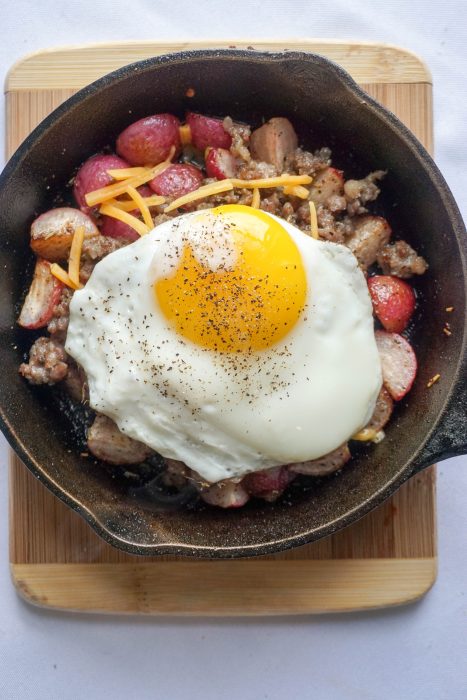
column 327, row 108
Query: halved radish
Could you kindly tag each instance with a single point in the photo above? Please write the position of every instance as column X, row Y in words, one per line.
column 398, row 363
column 267, row 481
column 225, row 494
column 207, row 131
column 53, row 231
column 93, row 175
column 393, row 301
column 43, row 295
column 220, row 163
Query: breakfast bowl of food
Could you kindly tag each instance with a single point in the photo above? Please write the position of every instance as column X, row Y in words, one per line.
column 229, row 279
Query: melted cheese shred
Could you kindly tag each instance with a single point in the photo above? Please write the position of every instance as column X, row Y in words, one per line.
column 75, row 255
column 256, row 200
column 63, row 276
column 129, row 204
column 313, row 221
column 109, row 209
column 201, row 193
column 142, row 206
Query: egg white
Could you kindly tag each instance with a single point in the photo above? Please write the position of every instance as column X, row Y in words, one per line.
column 226, row 415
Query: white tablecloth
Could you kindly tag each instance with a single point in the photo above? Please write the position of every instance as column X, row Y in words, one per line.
column 419, row 651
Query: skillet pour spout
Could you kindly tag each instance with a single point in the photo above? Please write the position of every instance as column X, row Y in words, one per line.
column 328, row 109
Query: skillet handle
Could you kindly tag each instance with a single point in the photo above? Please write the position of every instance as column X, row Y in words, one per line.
column 449, row 438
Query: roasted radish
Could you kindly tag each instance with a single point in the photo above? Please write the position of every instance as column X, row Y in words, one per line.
column 44, row 294
column 206, row 131
column 149, row 140
column 267, row 482
column 93, row 175
column 398, row 363
column 53, row 231
column 119, row 229
column 273, row 142
column 220, row 163
column 327, row 183
column 393, row 301
column 226, row 494
column 177, row 180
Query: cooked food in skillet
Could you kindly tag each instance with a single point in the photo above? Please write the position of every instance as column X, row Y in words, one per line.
column 216, row 297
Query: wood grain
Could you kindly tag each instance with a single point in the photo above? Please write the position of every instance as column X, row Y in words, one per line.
column 387, row 558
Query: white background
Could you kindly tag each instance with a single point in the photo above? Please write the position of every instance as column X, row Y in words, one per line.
column 417, row 652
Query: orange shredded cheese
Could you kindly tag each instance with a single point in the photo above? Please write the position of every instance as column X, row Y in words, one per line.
column 63, row 276
column 297, row 191
column 200, row 193
column 433, row 380
column 75, row 255
column 449, row 309
column 265, row 182
column 365, row 435
column 118, row 188
column 125, row 173
column 129, row 205
column 255, row 202
column 313, row 221
column 185, row 134
column 108, row 209
column 142, row 206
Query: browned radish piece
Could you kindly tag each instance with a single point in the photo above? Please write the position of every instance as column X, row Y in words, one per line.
column 269, row 483
column 327, row 183
column 370, row 234
column 53, row 231
column 106, row 442
column 44, row 293
column 401, row 260
column 47, row 362
column 273, row 142
column 76, row 384
column 393, row 301
column 119, row 229
column 149, row 140
column 207, row 131
column 220, row 163
column 398, row 363
column 225, row 494
column 324, row 465
column 93, row 175
column 177, row 180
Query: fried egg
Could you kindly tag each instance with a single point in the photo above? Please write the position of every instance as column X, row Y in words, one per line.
column 230, row 340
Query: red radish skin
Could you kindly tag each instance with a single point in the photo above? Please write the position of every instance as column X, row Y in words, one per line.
column 398, row 363
column 393, row 301
column 266, row 481
column 149, row 140
column 43, row 295
column 207, row 131
column 93, row 175
column 177, row 180
column 219, row 163
column 114, row 228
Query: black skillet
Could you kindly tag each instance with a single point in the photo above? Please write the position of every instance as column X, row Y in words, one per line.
column 327, row 108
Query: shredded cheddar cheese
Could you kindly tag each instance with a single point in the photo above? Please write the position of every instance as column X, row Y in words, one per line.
column 313, row 221
column 365, row 435
column 297, row 191
column 63, row 276
column 125, row 173
column 142, row 206
column 138, row 225
column 433, row 380
column 75, row 255
column 185, row 134
column 271, row 182
column 118, row 188
column 255, row 202
column 129, row 205
column 200, row 193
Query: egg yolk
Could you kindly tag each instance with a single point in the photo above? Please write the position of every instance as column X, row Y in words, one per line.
column 247, row 305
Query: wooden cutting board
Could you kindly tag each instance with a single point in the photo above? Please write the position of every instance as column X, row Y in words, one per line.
column 57, row 561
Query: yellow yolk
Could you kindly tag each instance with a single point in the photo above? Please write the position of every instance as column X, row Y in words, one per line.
column 250, row 303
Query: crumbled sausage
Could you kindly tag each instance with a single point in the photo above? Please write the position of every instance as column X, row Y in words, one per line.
column 98, row 247
column 324, row 465
column 58, row 324
column 360, row 192
column 401, row 260
column 76, row 384
column 370, row 234
column 306, row 163
column 240, row 134
column 47, row 362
